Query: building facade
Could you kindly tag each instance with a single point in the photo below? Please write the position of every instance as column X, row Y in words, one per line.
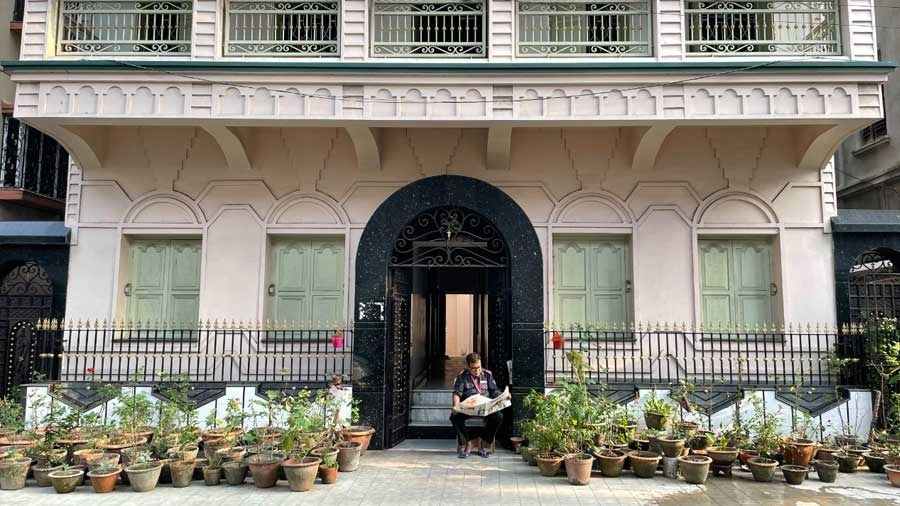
column 867, row 163
column 348, row 164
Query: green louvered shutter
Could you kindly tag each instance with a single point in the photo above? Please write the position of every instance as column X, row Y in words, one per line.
column 165, row 281
column 308, row 280
column 591, row 280
column 736, row 277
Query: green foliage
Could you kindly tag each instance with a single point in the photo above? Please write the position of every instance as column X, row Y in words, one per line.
column 306, row 422
column 763, row 426
column 133, row 410
column 658, row 406
column 12, row 414
column 329, row 461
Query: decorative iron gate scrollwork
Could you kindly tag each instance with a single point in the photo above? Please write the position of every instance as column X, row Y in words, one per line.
column 449, row 237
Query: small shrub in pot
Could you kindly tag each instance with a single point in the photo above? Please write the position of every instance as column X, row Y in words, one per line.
column 578, row 468
column 104, row 478
column 549, row 463
column 611, row 462
column 66, row 480
column 657, row 412
column 328, row 469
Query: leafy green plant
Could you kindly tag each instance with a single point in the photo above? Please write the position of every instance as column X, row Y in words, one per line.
column 305, row 424
column 12, row 415
column 766, row 437
column 133, row 410
column 658, row 406
column 329, row 460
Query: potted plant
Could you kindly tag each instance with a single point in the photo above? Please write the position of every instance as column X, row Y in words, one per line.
column 766, row 440
column 721, row 453
column 143, row 473
column 893, row 474
column 358, row 432
column 611, row 462
column 304, row 432
column 182, row 471
column 581, row 412
column 66, row 479
column 104, row 478
column 794, row 474
column 694, row 468
column 348, row 455
column 644, row 463
column 827, row 471
column 13, row 470
column 657, row 412
column 212, row 471
column 875, row 460
column 544, row 431
column 264, row 462
column 328, row 469
column 847, row 462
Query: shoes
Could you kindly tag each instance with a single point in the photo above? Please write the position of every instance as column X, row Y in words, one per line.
column 484, row 453
column 462, row 452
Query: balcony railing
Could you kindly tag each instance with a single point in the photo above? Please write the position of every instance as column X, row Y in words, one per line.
column 762, row 27
column 282, row 28
column 125, row 27
column 32, row 161
column 429, row 28
column 566, row 28
column 18, row 13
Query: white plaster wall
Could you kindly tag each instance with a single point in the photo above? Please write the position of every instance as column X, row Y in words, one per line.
column 723, row 180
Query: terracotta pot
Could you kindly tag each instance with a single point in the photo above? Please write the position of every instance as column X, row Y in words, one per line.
column 847, row 462
column 722, row 455
column 578, row 468
column 893, row 474
column 13, row 473
column 348, row 456
column 794, row 475
column 694, row 468
column 671, row 447
column 329, row 475
column 846, row 440
column 799, row 452
column 87, row 456
column 182, row 472
column 144, row 477
column 212, row 475
column 235, row 472
column 688, row 428
column 746, row 455
column 325, row 452
column 826, row 470
column 611, row 462
column 549, row 464
column 42, row 474
column 656, row 421
column 643, row 463
column 700, row 440
column 264, row 471
column 118, row 447
column 301, row 475
column 516, row 442
column 361, row 434
column 858, row 451
column 763, row 469
column 189, row 452
column 17, row 440
column 104, row 482
column 65, row 481
column 875, row 461
column 826, row 453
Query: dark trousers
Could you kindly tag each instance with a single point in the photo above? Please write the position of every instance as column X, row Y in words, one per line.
column 491, row 424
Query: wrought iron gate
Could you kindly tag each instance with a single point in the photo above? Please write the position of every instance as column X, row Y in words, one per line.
column 26, row 295
column 398, row 388
column 874, row 289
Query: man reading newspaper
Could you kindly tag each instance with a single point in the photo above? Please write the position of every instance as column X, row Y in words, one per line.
column 471, row 383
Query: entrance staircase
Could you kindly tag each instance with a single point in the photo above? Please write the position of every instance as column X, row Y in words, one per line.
column 430, row 404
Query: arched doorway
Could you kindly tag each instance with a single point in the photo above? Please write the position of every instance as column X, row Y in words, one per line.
column 432, row 237
column 874, row 286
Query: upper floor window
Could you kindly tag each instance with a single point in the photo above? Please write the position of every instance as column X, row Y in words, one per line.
column 439, row 28
column 282, row 28
column 566, row 28
column 125, row 27
column 874, row 132
column 762, row 27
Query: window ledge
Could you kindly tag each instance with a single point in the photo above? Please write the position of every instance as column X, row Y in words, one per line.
column 871, row 146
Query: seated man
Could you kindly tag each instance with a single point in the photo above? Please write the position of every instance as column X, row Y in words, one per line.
column 474, row 380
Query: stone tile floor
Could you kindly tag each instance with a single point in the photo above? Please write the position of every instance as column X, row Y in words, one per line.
column 428, row 472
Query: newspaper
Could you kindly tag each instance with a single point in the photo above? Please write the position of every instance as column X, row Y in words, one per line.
column 479, row 405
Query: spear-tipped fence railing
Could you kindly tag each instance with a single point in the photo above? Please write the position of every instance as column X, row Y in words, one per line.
column 664, row 355
column 207, row 353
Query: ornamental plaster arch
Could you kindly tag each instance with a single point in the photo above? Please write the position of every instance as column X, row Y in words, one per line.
column 595, row 207
column 164, row 202
column 730, row 207
column 325, row 205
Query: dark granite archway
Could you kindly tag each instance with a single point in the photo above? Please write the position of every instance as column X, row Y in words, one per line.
column 373, row 256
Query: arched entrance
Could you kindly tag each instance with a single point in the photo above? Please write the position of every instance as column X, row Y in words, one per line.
column 441, row 235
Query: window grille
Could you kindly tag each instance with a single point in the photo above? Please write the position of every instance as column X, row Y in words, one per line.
column 125, row 27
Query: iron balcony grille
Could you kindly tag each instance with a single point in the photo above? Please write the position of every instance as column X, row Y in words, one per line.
column 125, row 27
column 32, row 161
column 18, row 13
column 429, row 28
column 566, row 28
column 762, row 27
column 282, row 28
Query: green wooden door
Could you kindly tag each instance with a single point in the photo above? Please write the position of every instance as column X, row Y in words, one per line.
column 736, row 281
column 592, row 282
column 307, row 280
column 164, row 285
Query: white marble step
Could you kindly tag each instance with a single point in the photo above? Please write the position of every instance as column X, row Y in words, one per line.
column 433, row 398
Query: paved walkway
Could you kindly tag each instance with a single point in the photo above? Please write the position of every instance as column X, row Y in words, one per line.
column 427, row 472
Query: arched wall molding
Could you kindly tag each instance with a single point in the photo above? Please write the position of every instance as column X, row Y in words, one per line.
column 607, row 199
column 722, row 197
column 317, row 199
column 189, row 206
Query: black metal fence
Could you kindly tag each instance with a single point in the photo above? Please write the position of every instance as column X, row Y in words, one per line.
column 660, row 357
column 226, row 354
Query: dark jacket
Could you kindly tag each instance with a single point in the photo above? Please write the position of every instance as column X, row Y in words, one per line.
column 464, row 386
